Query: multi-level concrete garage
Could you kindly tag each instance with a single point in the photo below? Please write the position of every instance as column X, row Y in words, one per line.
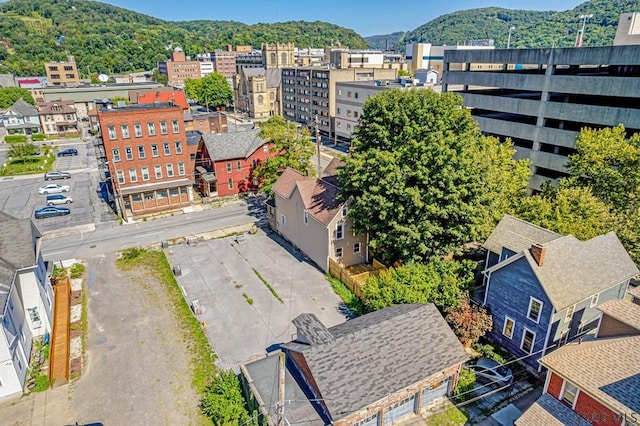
column 542, row 98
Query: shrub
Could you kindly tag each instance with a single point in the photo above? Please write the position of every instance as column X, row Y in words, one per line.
column 465, row 385
column 15, row 138
column 469, row 321
column 38, row 136
column 223, row 402
column 77, row 269
column 132, row 253
column 490, row 352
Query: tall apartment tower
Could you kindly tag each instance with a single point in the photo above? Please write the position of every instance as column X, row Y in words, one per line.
column 278, row 55
column 63, row 73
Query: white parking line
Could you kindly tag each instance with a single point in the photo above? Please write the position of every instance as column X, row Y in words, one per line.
column 56, row 252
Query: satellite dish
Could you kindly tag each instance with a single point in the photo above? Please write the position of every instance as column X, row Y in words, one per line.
column 103, row 78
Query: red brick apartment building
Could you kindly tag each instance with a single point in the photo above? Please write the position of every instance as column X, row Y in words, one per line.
column 147, row 155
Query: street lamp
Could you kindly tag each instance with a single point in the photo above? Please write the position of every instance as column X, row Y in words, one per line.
column 580, row 36
column 509, row 38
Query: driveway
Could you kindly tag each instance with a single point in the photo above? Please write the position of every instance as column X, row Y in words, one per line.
column 243, row 318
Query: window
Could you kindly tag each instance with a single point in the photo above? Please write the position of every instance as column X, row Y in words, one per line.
column 169, row 170
column 154, row 150
column 116, row 155
column 181, row 169
column 133, row 175
column 163, row 127
column 167, row 149
column 355, row 95
column 355, row 114
column 569, row 314
column 145, row 173
column 348, row 113
column 528, row 339
column 344, row 211
column 120, row 175
column 338, row 110
column 141, row 153
column 569, row 394
column 283, row 219
column 152, row 128
column 178, row 147
column 338, row 252
column 535, row 307
column 508, row 327
column 254, row 163
column 339, row 231
column 158, row 171
column 229, row 167
column 594, row 300
column 112, row 132
column 265, row 148
column 125, row 131
column 128, row 152
column 260, row 100
column 137, row 128
column 348, row 94
column 230, row 183
column 356, row 248
column 305, row 216
column 176, row 126
column 238, row 166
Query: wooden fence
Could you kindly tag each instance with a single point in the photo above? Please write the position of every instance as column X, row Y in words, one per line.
column 355, row 276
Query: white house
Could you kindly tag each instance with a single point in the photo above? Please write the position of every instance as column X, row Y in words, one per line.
column 21, row 119
column 26, row 300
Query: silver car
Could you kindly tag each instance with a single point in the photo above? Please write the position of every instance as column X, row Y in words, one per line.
column 53, row 188
column 491, row 372
column 54, row 174
column 58, row 199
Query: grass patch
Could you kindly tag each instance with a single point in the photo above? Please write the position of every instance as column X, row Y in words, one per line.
column 352, row 301
column 451, row 417
column 77, row 270
column 30, row 165
column 58, row 271
column 247, row 298
column 271, row 289
column 84, row 324
column 154, row 263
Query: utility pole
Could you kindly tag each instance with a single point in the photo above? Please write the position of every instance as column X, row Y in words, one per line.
column 318, row 143
column 281, row 371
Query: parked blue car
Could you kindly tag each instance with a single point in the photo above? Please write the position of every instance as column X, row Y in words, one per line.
column 51, row 211
column 68, row 151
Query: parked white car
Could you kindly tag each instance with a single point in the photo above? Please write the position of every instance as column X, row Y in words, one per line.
column 53, row 188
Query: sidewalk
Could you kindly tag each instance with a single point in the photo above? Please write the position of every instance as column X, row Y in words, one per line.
column 52, row 407
column 507, row 415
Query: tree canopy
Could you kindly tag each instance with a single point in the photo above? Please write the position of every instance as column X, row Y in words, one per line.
column 212, row 90
column 422, row 180
column 291, row 148
column 108, row 39
column 9, row 95
column 441, row 282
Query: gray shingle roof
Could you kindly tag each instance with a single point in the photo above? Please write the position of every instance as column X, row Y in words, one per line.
column 229, row 146
column 574, row 270
column 517, row 235
column 193, row 137
column 24, row 108
column 274, row 77
column 16, row 251
column 380, row 353
column 253, row 72
column 606, row 369
column 548, row 411
column 625, row 312
column 309, row 326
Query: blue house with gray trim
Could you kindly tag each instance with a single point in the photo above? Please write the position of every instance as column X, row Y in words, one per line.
column 542, row 288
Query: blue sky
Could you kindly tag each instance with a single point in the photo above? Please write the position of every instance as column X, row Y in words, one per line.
column 366, row 17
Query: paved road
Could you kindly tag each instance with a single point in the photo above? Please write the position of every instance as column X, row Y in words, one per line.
column 111, row 237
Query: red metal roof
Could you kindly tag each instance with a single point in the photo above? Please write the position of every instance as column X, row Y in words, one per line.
column 178, row 98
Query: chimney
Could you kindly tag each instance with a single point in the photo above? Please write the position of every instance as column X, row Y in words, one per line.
column 538, row 251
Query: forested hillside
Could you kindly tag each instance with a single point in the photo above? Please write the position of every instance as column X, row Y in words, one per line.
column 109, row 39
column 532, row 28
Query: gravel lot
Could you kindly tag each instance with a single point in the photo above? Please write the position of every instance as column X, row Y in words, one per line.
column 138, row 366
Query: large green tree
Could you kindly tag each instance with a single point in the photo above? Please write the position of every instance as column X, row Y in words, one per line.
column 290, row 147
column 568, row 210
column 212, row 90
column 422, row 180
column 8, row 96
column 441, row 282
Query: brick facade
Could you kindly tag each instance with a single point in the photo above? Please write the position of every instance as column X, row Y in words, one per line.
column 555, row 385
column 147, row 155
column 596, row 413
